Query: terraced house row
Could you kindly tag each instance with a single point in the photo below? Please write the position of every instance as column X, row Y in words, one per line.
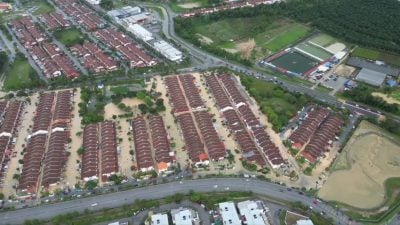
column 100, row 151
column 252, row 139
column 55, row 20
column 10, row 114
column 201, row 138
column 50, row 59
column 45, row 154
column 93, row 58
column 316, row 133
column 152, row 146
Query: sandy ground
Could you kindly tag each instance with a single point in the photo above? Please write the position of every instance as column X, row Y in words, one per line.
column 72, row 170
column 344, row 70
column 204, row 39
column 125, row 160
column 246, row 48
column 365, row 163
column 189, row 5
column 336, row 47
column 387, row 99
column 13, row 166
column 231, row 50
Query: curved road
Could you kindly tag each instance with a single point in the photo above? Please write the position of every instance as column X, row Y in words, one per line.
column 117, row 199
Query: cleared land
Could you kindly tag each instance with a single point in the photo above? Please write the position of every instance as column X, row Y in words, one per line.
column 377, row 55
column 370, row 157
column 295, row 62
column 69, row 37
column 269, row 36
column 20, row 75
column 388, row 99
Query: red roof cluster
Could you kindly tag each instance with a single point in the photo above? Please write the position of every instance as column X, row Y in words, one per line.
column 99, row 140
column 27, row 32
column 11, row 113
column 228, row 6
column 48, row 121
column 160, row 143
column 47, row 56
column 82, row 14
column 141, row 139
column 55, row 157
column 35, row 149
column 191, row 91
column 252, row 138
column 303, row 134
column 94, row 58
column 55, row 20
column 214, row 145
column 126, row 46
column 323, row 136
column 175, row 95
column 194, row 145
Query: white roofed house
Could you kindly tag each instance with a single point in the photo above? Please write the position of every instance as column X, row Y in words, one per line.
column 228, row 213
column 183, row 216
column 159, row 219
column 253, row 213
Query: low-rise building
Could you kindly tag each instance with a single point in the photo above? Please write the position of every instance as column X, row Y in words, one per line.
column 253, row 213
column 183, row 216
column 228, row 213
column 159, row 219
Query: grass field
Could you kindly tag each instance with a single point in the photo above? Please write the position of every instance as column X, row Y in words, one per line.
column 69, row 37
column 18, row 76
column 323, row 40
column 285, row 36
column 372, row 156
column 377, row 55
column 186, row 5
column 270, row 36
column 43, row 8
column 295, row 62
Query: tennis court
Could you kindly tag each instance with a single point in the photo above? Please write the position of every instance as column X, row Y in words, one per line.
column 294, row 62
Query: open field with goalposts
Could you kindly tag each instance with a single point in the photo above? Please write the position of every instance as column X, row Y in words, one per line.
column 369, row 159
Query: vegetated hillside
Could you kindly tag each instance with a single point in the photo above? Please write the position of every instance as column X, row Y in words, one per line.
column 366, row 22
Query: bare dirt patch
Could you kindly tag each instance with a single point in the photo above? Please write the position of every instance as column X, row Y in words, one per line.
column 246, row 48
column 370, row 157
column 345, row 71
column 204, row 39
column 387, row 99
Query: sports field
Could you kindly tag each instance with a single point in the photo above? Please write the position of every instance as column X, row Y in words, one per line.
column 369, row 158
column 323, row 40
column 20, row 75
column 43, row 7
column 69, row 37
column 319, row 53
column 295, row 62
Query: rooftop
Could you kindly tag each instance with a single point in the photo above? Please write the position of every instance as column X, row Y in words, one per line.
column 371, row 77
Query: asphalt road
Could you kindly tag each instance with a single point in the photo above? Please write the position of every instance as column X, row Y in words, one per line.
column 117, row 199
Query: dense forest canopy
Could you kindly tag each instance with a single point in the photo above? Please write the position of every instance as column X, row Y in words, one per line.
column 369, row 23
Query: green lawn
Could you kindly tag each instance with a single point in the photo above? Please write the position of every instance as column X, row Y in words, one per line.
column 175, row 5
column 323, row 40
column 396, row 95
column 377, row 55
column 69, row 37
column 43, row 8
column 20, row 75
column 290, row 33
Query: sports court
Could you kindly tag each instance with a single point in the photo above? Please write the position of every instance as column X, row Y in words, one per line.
column 314, row 51
column 294, row 62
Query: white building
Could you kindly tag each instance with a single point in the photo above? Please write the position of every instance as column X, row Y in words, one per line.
column 140, row 32
column 229, row 214
column 159, row 219
column 253, row 213
column 168, row 51
column 304, row 222
column 93, row 2
column 184, row 216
